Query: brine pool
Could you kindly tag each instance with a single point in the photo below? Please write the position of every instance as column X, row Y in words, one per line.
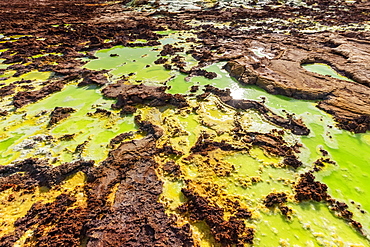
column 25, row 133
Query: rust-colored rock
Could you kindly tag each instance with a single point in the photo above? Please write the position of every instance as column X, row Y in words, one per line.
column 309, row 189
column 26, row 97
column 274, row 199
column 7, row 90
column 130, row 95
column 232, row 232
column 60, row 113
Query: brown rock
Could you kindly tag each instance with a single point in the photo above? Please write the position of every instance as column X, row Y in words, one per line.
column 60, row 113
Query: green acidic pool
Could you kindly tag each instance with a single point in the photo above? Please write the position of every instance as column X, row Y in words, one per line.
column 246, row 177
column 346, row 149
column 324, row 69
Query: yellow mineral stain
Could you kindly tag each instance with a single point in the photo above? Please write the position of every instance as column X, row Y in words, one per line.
column 32, row 75
column 260, row 155
column 171, row 196
column 112, row 195
column 202, row 235
column 15, row 204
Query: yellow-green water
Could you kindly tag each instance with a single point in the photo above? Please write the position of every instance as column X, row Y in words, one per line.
column 324, row 69
column 246, row 177
column 97, row 130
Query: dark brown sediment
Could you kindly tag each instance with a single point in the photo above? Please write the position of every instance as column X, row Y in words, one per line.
column 60, row 113
column 232, row 232
column 130, row 95
column 307, row 189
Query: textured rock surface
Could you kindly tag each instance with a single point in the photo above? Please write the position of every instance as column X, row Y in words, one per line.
column 283, row 74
